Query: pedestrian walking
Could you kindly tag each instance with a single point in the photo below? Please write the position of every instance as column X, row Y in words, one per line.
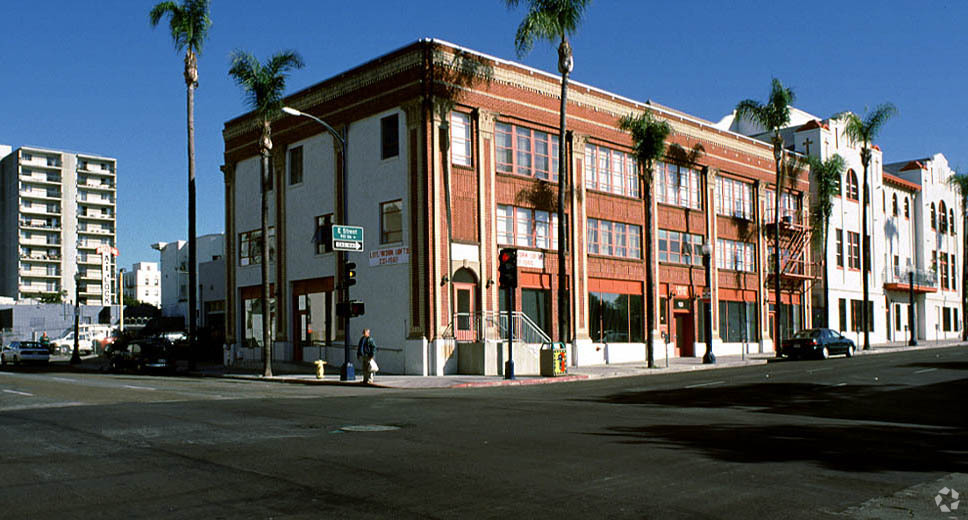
column 365, row 352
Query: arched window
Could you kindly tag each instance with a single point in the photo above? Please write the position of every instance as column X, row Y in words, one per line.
column 951, row 220
column 894, row 203
column 943, row 218
column 852, row 191
column 907, row 208
column 934, row 217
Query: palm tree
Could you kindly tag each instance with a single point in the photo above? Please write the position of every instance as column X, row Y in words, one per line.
column 648, row 141
column 773, row 116
column 189, row 24
column 554, row 20
column 960, row 182
column 263, row 85
column 826, row 177
column 864, row 131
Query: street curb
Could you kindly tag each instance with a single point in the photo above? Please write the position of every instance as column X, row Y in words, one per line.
column 522, row 382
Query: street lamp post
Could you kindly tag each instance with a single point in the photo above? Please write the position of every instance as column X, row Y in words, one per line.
column 76, row 356
column 708, row 358
column 913, row 342
column 346, row 373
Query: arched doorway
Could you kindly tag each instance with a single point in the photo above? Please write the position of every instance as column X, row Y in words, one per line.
column 465, row 296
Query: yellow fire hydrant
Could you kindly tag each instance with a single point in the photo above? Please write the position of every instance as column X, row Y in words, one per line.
column 320, row 368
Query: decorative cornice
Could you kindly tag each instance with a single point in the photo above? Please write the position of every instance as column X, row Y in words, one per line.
column 332, row 89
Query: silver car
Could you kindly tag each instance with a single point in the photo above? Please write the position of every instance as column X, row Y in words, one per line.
column 18, row 352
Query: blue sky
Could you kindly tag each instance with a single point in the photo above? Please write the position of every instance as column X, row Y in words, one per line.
column 98, row 79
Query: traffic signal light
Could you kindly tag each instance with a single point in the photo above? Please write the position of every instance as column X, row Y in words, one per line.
column 349, row 276
column 508, row 268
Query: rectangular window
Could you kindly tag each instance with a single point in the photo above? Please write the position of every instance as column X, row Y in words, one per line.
column 946, row 319
column 944, row 270
column 295, row 165
column 856, row 315
column 391, row 222
column 677, row 186
column 897, row 316
column 735, row 256
column 612, row 171
column 527, row 152
column 250, row 246
column 460, row 138
column 853, row 250
column 526, row 227
column 389, row 137
column 737, row 321
column 843, row 314
column 318, row 239
column 680, row 248
column 614, row 239
column 839, row 234
column 734, row 198
column 615, row 318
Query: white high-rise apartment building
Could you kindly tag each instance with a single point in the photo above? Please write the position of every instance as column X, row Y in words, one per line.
column 58, row 220
column 143, row 283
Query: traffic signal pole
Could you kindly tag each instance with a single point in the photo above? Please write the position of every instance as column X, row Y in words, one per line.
column 508, row 271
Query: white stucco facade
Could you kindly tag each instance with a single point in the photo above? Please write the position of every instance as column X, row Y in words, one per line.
column 142, row 282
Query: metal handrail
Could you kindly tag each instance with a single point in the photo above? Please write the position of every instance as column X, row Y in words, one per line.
column 493, row 325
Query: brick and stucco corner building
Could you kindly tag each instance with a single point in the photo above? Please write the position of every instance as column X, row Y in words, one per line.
column 500, row 121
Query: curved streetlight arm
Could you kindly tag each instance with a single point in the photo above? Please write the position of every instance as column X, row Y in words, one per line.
column 293, row 112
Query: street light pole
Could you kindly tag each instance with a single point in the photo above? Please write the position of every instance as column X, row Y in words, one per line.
column 121, row 299
column 708, row 358
column 913, row 342
column 346, row 373
column 76, row 356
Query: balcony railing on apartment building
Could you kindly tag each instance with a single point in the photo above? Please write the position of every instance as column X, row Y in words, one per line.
column 898, row 278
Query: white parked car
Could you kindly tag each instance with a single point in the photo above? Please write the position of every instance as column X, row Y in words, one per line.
column 65, row 343
column 18, row 352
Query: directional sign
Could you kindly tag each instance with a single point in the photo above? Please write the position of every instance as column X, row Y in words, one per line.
column 347, row 238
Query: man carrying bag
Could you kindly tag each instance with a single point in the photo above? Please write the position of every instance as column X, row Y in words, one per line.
column 365, row 352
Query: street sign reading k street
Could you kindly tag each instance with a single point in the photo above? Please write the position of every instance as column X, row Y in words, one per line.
column 347, row 238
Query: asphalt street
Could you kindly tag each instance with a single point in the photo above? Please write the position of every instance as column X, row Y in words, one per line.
column 867, row 437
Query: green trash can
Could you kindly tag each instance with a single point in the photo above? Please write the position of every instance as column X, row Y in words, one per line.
column 554, row 360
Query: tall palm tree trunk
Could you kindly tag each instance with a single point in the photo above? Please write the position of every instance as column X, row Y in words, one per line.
column 865, row 265
column 964, row 267
column 192, row 269
column 649, row 274
column 266, row 314
column 826, row 275
column 563, row 306
column 777, row 302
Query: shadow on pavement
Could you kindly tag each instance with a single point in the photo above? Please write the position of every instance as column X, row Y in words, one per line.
column 949, row 365
column 921, row 428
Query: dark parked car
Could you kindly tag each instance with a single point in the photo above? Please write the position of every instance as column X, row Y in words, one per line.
column 821, row 343
column 141, row 354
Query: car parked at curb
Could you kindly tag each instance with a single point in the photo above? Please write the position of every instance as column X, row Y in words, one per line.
column 20, row 352
column 818, row 343
column 141, row 354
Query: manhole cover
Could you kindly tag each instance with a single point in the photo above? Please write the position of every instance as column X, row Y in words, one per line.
column 369, row 428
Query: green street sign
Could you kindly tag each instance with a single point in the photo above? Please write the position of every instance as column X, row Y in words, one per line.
column 347, row 238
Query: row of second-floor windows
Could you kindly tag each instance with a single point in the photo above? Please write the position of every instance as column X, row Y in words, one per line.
column 527, row 227
column 677, row 185
column 735, row 256
column 680, row 248
column 611, row 171
column 734, row 198
column 527, row 152
column 614, row 239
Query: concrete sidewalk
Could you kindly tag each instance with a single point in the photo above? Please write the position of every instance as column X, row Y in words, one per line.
column 304, row 373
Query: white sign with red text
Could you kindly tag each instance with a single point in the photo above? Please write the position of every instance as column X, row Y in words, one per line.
column 530, row 259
